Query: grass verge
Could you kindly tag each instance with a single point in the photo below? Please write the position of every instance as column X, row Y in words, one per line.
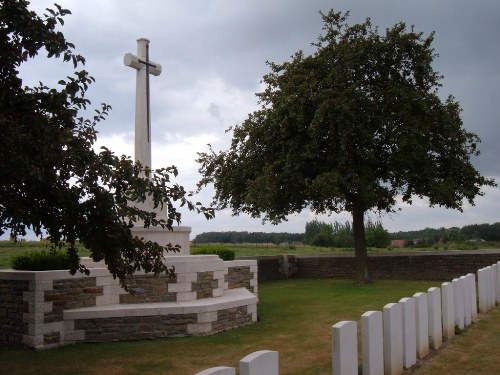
column 475, row 351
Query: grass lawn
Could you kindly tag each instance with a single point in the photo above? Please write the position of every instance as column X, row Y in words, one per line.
column 475, row 351
column 295, row 318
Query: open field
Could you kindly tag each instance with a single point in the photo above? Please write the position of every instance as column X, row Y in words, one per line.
column 8, row 248
column 258, row 249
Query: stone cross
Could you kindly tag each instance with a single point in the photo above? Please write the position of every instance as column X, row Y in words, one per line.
column 144, row 68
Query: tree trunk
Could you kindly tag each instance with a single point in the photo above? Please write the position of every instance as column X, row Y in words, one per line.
column 358, row 226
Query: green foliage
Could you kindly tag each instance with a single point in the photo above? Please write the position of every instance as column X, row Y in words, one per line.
column 223, row 253
column 376, row 235
column 41, row 261
column 341, row 235
column 341, row 130
column 249, row 237
column 474, row 232
column 329, row 235
column 52, row 180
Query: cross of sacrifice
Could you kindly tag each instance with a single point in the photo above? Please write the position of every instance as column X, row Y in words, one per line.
column 144, row 68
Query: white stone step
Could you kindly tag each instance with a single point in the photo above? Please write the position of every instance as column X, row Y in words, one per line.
column 230, row 299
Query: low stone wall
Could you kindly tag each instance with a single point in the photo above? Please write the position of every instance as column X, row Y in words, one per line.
column 12, row 309
column 44, row 309
column 410, row 266
column 241, row 274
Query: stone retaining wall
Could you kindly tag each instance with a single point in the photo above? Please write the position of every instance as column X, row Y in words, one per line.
column 411, row 266
column 33, row 304
column 12, row 309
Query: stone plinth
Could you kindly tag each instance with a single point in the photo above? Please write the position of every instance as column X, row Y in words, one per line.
column 176, row 236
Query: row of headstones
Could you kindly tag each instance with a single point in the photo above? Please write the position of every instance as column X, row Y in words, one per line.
column 262, row 362
column 393, row 339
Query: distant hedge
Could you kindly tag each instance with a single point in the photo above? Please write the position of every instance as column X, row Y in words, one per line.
column 40, row 261
column 224, row 254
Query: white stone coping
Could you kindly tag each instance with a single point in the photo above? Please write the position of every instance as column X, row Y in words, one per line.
column 49, row 275
column 231, row 298
column 240, row 263
column 180, row 229
column 181, row 261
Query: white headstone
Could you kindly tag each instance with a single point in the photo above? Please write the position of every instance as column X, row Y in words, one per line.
column 491, row 273
column 422, row 319
column 435, row 324
column 221, row 370
column 409, row 332
column 467, row 301
column 494, row 276
column 458, row 296
column 497, row 283
column 263, row 362
column 393, row 339
column 345, row 348
column 372, row 343
column 473, row 294
column 482, row 282
column 448, row 310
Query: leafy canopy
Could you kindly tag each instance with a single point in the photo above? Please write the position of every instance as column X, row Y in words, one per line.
column 356, row 124
column 349, row 128
column 51, row 178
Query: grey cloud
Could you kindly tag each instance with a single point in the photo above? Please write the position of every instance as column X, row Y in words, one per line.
column 230, row 41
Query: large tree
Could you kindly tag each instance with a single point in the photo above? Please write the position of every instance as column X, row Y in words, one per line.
column 349, row 128
column 52, row 180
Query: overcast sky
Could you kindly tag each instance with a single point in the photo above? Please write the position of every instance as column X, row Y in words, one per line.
column 213, row 55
